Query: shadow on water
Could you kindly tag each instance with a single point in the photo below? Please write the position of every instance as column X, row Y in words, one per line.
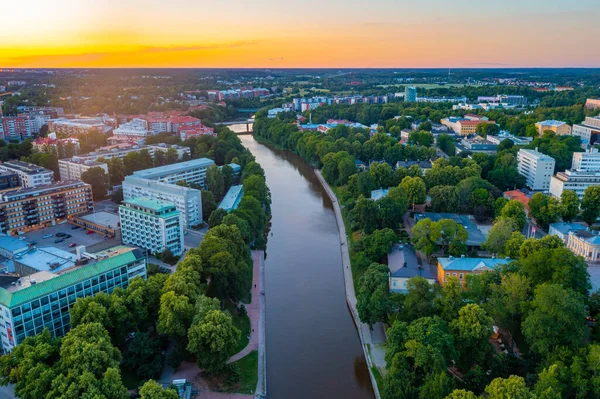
column 313, row 349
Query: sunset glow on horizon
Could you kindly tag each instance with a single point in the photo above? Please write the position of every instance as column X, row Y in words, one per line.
column 320, row 34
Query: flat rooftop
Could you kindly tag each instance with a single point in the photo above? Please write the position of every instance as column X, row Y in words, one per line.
column 12, row 244
column 232, row 198
column 102, row 218
column 155, row 173
column 26, row 167
column 31, row 191
column 152, row 204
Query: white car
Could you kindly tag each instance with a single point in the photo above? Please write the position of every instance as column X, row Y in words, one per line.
column 47, row 236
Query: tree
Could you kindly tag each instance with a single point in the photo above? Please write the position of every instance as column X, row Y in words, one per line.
column 509, row 301
column 419, row 301
column 544, row 209
column 499, row 235
column 513, row 387
column 472, row 330
column 421, row 237
column 415, row 190
column 398, row 195
column 171, row 156
column 590, row 205
column 450, row 236
column 153, row 390
column 372, row 294
column 215, row 181
column 144, row 356
column 461, row 394
column 436, row 386
column 364, row 214
column 512, row 247
column 175, row 315
column 446, row 144
column 557, row 319
column 213, row 339
column 378, row 244
column 443, row 199
column 208, row 203
column 451, row 300
column 389, row 214
column 515, row 211
column 549, row 385
column 97, row 178
column 216, row 217
column 569, row 202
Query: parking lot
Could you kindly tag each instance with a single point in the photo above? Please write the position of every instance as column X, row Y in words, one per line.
column 79, row 237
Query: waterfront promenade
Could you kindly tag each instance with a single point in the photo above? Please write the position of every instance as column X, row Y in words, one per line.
column 372, row 341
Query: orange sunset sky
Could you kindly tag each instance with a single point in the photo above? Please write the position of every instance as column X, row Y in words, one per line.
column 310, row 33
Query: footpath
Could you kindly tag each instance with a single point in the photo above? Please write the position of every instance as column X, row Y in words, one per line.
column 372, row 341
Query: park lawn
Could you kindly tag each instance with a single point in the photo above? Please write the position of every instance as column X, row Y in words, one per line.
column 241, row 321
column 248, row 373
column 378, row 377
column 130, row 380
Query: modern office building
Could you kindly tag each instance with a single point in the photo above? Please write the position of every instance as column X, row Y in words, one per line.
column 537, row 168
column 410, row 94
column 558, row 127
column 72, row 168
column 588, row 130
column 152, row 225
column 232, row 198
column 192, row 172
column 50, row 283
column 584, row 172
column 187, row 200
column 30, row 175
column 32, row 208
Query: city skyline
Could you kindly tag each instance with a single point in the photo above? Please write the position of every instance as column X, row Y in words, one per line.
column 322, row 34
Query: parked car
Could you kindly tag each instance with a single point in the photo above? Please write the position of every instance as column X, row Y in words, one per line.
column 90, row 232
column 72, row 245
column 75, row 227
column 58, row 240
column 33, row 242
column 47, row 236
column 67, row 236
column 61, row 234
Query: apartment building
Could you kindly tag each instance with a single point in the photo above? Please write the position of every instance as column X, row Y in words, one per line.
column 558, row 127
column 32, row 208
column 537, row 168
column 188, row 201
column 588, row 130
column 192, row 172
column 151, row 224
column 52, row 281
column 73, row 168
column 17, row 128
column 437, row 100
column 8, row 180
column 30, row 175
column 134, row 130
column 584, row 172
column 592, row 103
column 72, row 127
column 410, row 94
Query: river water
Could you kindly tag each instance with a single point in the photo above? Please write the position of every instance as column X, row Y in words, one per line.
column 313, row 349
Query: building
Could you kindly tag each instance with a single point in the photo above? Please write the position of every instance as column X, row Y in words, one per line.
column 186, row 133
column 585, row 243
column 475, row 237
column 379, row 194
column 436, row 100
column 134, row 130
column 43, row 144
column 462, row 267
column 504, row 135
column 465, row 126
column 518, row 195
column 17, row 128
column 105, row 223
column 562, row 230
column 180, row 149
column 30, row 175
column 190, row 172
column 42, row 299
column 537, row 168
column 232, row 198
column 11, row 246
column 187, row 200
column 592, row 103
column 151, row 224
column 8, row 180
column 476, row 144
column 36, row 207
column 588, row 130
column 584, row 172
column 410, row 94
column 73, row 127
column 73, row 168
column 558, row 127
column 404, row 265
column 272, row 113
column 510, row 100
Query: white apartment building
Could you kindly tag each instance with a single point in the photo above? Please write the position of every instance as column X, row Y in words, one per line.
column 537, row 168
column 72, row 168
column 151, row 224
column 584, row 172
column 188, row 201
column 181, row 150
column 192, row 172
column 30, row 175
column 588, row 130
column 137, row 128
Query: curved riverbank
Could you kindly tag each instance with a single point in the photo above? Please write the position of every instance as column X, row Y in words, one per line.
column 363, row 329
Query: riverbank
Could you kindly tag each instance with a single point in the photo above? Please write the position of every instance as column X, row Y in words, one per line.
column 372, row 350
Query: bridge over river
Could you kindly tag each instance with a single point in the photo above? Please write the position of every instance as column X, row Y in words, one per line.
column 239, row 127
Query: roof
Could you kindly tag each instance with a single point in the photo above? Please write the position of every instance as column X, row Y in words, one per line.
column 26, row 167
column 471, row 264
column 551, row 122
column 155, row 173
column 154, row 185
column 9, row 299
column 477, row 122
column 156, row 206
column 475, row 238
column 518, row 195
column 379, row 194
column 564, row 228
column 403, row 263
column 42, row 190
column 12, row 244
column 587, row 236
column 537, row 154
column 48, row 259
column 102, row 218
column 232, row 198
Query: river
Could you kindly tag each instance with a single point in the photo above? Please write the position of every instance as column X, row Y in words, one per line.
column 313, row 349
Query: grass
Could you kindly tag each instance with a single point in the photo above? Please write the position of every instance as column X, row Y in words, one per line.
column 378, row 377
column 241, row 321
column 130, row 379
column 248, row 374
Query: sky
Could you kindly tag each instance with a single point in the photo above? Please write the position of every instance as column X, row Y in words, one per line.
column 307, row 33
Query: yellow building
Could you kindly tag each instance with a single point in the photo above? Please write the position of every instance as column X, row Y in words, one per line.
column 462, row 267
column 558, row 127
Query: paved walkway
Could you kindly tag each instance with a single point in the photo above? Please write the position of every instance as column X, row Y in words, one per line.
column 364, row 331
column 191, row 372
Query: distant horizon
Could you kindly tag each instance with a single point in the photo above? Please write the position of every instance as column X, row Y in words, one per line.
column 3, row 68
